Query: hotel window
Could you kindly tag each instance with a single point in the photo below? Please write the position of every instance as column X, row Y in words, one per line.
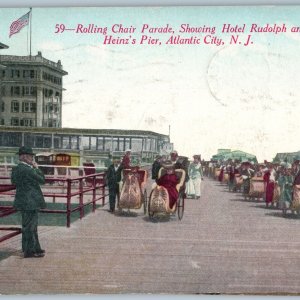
column 3, row 91
column 16, row 91
column 29, row 107
column 26, row 73
column 15, row 106
column 2, row 106
column 27, row 122
column 2, row 122
column 15, row 122
column 52, row 123
column 52, row 108
column 28, row 90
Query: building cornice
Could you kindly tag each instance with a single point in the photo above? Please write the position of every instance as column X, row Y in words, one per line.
column 37, row 60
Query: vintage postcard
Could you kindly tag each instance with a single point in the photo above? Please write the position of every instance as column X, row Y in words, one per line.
column 150, row 150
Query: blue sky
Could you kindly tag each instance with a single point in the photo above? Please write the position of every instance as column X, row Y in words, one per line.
column 213, row 97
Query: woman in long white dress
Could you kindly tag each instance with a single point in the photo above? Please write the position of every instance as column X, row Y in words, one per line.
column 193, row 188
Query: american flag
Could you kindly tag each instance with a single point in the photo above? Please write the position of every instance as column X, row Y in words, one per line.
column 17, row 25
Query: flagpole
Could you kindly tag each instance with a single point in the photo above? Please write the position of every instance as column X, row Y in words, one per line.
column 30, row 31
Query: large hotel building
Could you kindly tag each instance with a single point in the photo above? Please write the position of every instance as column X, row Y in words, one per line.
column 31, row 91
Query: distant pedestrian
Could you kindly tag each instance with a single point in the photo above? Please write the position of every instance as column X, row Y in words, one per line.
column 196, row 176
column 113, row 177
column 29, row 199
column 269, row 181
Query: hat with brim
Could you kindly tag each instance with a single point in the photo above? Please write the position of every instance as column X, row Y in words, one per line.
column 174, row 153
column 25, row 150
column 168, row 165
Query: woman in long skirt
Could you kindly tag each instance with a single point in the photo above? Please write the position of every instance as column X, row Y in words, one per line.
column 287, row 191
column 196, row 176
column 269, row 179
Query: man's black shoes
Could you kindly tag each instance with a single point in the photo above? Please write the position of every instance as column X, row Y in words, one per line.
column 39, row 254
column 41, row 251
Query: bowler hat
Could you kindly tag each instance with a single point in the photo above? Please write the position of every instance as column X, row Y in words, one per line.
column 25, row 150
column 168, row 164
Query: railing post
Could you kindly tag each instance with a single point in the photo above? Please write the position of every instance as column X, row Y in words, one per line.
column 81, row 208
column 68, row 202
column 94, row 193
column 103, row 190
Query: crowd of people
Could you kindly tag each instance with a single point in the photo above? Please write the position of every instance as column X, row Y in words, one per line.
column 281, row 184
column 279, row 180
column 169, row 180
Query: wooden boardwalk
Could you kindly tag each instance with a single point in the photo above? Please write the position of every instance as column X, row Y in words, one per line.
column 222, row 245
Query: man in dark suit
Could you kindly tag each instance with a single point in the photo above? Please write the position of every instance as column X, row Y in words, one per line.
column 156, row 167
column 29, row 199
column 113, row 177
column 296, row 172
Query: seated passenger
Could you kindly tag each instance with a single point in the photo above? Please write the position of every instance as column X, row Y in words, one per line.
column 169, row 182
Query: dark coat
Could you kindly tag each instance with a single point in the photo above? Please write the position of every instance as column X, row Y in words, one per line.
column 27, row 180
column 113, row 177
column 297, row 178
column 155, row 169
